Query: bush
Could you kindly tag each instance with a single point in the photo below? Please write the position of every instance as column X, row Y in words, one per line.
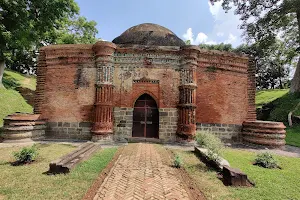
column 266, row 160
column 212, row 143
column 177, row 162
column 26, row 155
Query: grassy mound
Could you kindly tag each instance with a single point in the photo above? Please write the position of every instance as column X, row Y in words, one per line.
column 11, row 101
column 267, row 96
column 280, row 102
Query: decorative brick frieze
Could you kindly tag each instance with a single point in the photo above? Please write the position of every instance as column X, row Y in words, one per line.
column 103, row 120
column 224, row 131
column 187, row 93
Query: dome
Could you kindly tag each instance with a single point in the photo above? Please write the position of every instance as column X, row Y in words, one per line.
column 150, row 35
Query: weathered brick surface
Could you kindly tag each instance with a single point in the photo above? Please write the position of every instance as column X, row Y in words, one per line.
column 164, row 91
column 67, row 75
column 140, row 173
column 222, row 96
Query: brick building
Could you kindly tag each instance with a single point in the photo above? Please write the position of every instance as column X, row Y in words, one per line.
column 145, row 83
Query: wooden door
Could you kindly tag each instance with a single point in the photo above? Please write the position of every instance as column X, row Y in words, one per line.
column 145, row 117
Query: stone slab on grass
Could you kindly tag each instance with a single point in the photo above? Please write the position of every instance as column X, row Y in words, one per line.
column 218, row 164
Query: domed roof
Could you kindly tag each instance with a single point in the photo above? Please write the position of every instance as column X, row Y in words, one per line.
column 149, row 34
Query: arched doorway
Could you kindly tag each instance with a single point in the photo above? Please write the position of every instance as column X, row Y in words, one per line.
column 145, row 117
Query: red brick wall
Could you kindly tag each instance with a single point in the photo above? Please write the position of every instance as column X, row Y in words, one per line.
column 68, row 89
column 67, row 74
column 222, row 93
column 165, row 92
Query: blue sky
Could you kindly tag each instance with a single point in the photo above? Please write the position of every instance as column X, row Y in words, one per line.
column 194, row 20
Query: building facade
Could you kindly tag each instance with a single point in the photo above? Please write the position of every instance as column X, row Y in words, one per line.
column 145, row 83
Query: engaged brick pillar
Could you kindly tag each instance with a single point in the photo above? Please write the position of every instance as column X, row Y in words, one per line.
column 251, row 116
column 187, row 100
column 103, row 122
column 40, row 84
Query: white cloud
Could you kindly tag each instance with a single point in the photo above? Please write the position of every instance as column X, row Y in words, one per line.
column 220, row 34
column 215, row 9
column 225, row 28
column 225, row 25
column 189, row 35
column 201, row 38
column 231, row 39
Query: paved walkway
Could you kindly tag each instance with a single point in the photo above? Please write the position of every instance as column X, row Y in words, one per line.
column 142, row 172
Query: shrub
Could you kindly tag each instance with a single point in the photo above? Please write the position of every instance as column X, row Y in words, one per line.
column 26, row 155
column 212, row 143
column 266, row 160
column 177, row 161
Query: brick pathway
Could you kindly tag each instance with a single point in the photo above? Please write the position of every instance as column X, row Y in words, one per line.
column 141, row 173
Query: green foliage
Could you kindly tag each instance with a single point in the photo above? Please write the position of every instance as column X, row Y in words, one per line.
column 263, row 23
column 11, row 101
column 266, row 96
column 76, row 30
column 293, row 135
column 27, row 25
column 273, row 65
column 266, row 160
column 62, row 187
column 26, row 155
column 177, row 161
column 9, row 82
column 273, row 184
column 188, row 42
column 220, row 47
column 211, row 142
column 23, row 23
column 282, row 107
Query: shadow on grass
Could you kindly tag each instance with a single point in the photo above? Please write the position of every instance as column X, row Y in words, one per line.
column 9, row 82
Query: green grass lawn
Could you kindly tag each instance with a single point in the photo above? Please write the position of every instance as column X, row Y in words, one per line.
column 29, row 182
column 11, row 101
column 15, row 78
column 271, row 184
column 267, row 96
column 293, row 136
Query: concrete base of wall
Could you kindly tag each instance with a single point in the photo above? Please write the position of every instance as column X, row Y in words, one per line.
column 69, row 130
column 227, row 132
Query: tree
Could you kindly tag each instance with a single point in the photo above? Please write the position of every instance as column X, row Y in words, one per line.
column 24, row 23
column 76, row 30
column 220, row 47
column 265, row 20
column 272, row 64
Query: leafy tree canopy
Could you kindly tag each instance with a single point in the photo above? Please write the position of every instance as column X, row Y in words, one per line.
column 264, row 21
column 23, row 23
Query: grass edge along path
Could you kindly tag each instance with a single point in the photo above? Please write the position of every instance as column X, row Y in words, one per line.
column 29, row 182
column 271, row 184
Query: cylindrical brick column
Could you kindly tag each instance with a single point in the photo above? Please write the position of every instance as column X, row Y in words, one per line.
column 187, row 90
column 270, row 134
column 103, row 120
